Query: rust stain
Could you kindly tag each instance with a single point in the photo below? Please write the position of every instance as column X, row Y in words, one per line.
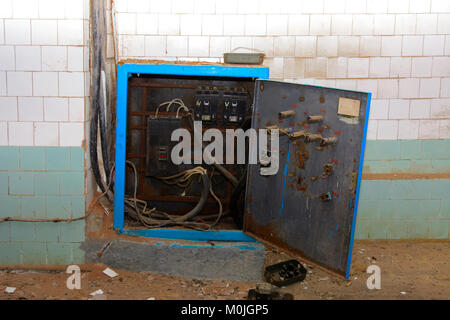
column 301, row 153
column 302, row 187
column 270, row 235
column 327, row 170
column 266, row 231
column 300, row 124
column 269, row 123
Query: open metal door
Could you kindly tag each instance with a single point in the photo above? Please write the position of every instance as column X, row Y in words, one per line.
column 309, row 206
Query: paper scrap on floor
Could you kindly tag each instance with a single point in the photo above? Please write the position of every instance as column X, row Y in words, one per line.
column 111, row 273
column 99, row 291
column 10, row 290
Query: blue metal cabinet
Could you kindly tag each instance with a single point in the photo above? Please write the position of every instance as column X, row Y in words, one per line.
column 124, row 71
column 300, row 209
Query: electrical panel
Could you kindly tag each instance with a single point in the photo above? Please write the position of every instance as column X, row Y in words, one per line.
column 159, row 105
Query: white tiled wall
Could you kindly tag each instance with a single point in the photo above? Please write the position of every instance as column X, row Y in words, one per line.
column 397, row 49
column 43, row 65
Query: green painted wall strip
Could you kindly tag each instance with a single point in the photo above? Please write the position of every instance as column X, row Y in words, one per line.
column 407, row 149
column 404, row 209
column 408, row 157
column 47, row 183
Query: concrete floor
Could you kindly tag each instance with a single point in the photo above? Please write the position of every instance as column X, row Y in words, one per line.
column 419, row 269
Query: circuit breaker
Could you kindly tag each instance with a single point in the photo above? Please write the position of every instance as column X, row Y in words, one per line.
column 229, row 104
column 206, row 101
column 159, row 146
column 235, row 104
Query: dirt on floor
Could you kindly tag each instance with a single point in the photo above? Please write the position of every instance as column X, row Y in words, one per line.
column 409, row 270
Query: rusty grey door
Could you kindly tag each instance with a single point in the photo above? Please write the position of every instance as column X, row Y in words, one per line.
column 309, row 206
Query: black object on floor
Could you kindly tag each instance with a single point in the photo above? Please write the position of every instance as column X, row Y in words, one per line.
column 285, row 273
column 266, row 291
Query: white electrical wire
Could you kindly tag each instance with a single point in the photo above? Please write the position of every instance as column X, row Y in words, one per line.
column 176, row 101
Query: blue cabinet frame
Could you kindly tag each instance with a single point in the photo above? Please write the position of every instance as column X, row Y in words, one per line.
column 124, row 71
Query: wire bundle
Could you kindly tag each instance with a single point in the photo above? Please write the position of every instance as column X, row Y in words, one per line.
column 176, row 101
column 153, row 218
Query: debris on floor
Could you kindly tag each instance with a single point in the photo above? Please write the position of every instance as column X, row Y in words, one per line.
column 285, row 273
column 97, row 292
column 420, row 270
column 265, row 291
column 98, row 297
column 111, row 273
column 10, row 290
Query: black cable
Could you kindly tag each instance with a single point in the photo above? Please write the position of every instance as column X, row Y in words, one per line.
column 179, row 220
column 237, row 211
column 102, row 89
column 103, row 133
column 94, row 104
column 98, row 112
column 236, row 207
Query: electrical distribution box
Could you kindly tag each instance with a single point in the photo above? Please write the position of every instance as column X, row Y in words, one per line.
column 308, row 207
